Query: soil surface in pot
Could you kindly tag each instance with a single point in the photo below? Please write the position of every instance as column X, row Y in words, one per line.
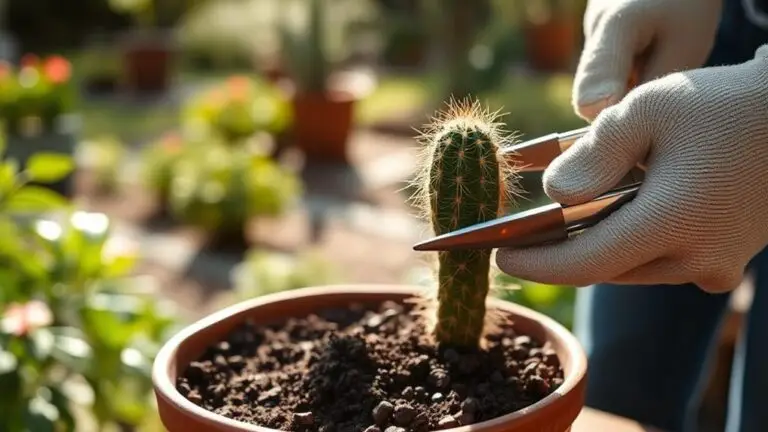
column 363, row 369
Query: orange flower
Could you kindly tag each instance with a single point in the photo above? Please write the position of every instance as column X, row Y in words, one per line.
column 21, row 319
column 171, row 142
column 238, row 86
column 58, row 69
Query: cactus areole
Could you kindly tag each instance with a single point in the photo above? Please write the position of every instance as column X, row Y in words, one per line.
column 464, row 181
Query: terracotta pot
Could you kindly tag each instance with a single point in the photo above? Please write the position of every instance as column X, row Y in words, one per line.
column 147, row 62
column 554, row 413
column 551, row 45
column 322, row 123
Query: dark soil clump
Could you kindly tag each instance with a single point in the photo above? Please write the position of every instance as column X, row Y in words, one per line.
column 360, row 369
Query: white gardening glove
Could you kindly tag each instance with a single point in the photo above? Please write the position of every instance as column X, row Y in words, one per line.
column 671, row 35
column 702, row 211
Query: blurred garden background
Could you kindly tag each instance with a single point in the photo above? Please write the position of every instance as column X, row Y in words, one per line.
column 165, row 158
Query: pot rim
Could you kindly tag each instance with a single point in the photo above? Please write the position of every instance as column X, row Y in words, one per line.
column 166, row 388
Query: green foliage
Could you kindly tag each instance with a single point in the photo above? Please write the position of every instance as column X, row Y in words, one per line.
column 46, row 168
column 219, row 188
column 316, row 35
column 264, row 272
column 236, row 110
column 143, row 11
column 105, row 156
column 555, row 301
column 464, row 182
column 158, row 161
column 39, row 91
column 72, row 320
column 536, row 105
column 18, row 196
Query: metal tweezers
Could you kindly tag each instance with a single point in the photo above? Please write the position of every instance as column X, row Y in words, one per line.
column 546, row 224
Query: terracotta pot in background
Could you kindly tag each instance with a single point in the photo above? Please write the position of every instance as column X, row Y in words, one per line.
column 147, row 62
column 322, row 124
column 551, row 45
column 554, row 413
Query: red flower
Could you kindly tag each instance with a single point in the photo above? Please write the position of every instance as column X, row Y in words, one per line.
column 57, row 69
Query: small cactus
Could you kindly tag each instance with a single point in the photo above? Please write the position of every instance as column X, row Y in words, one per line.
column 464, row 180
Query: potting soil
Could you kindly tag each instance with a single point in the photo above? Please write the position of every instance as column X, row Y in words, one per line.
column 359, row 369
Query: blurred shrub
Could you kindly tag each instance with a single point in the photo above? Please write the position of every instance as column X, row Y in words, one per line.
column 39, row 90
column 265, row 272
column 77, row 333
column 227, row 34
column 555, row 301
column 535, row 104
column 219, row 188
column 104, row 157
column 158, row 160
column 236, row 110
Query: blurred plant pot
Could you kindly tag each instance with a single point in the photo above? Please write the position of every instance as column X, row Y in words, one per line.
column 148, row 58
column 555, row 412
column 322, row 123
column 551, row 45
column 61, row 138
column 273, row 70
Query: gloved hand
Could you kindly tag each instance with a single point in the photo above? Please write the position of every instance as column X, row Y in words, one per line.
column 671, row 36
column 702, row 211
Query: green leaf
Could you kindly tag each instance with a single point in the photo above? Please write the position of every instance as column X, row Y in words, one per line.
column 11, row 399
column 60, row 400
column 8, row 171
column 8, row 363
column 41, row 415
column 35, row 199
column 49, row 167
column 41, row 343
column 71, row 349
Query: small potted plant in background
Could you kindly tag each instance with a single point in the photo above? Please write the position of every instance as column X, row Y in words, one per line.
column 37, row 102
column 551, row 32
column 221, row 190
column 158, row 160
column 236, row 111
column 388, row 358
column 315, row 40
column 148, row 52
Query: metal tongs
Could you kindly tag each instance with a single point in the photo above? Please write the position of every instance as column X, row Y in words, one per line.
column 550, row 223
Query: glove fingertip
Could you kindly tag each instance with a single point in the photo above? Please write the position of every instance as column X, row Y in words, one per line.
column 568, row 179
column 590, row 111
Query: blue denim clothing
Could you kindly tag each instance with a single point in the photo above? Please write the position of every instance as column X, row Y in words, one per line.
column 649, row 346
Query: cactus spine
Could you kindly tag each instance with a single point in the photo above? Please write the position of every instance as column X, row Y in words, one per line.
column 464, row 181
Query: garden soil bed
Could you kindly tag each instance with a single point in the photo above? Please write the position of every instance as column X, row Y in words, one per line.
column 361, row 369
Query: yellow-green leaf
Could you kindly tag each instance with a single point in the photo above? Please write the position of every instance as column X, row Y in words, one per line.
column 49, row 167
column 35, row 199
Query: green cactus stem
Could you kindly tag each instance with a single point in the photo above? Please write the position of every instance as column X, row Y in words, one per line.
column 464, row 181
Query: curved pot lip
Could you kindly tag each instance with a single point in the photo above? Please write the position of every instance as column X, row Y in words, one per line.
column 166, row 388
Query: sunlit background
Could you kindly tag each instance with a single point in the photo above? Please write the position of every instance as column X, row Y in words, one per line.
column 166, row 158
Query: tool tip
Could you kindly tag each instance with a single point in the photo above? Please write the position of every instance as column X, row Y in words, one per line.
column 427, row 245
